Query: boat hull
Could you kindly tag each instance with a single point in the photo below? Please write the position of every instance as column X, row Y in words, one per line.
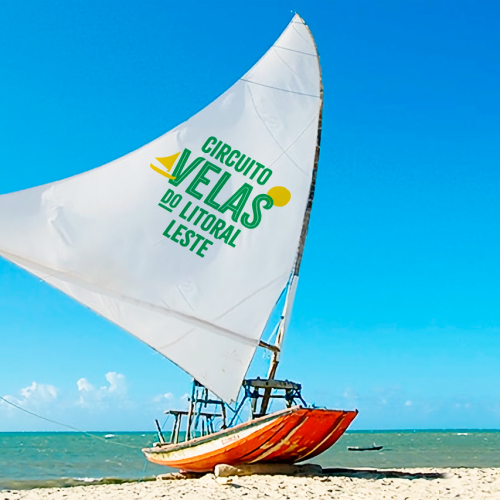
column 287, row 436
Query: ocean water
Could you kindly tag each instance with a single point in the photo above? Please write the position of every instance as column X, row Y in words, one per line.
column 29, row 460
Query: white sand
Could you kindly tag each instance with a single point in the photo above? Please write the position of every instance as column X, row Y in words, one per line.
column 460, row 484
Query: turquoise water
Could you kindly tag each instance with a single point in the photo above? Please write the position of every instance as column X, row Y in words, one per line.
column 28, row 460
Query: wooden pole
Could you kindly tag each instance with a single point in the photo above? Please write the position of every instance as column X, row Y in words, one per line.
column 160, row 434
column 190, row 413
column 300, row 251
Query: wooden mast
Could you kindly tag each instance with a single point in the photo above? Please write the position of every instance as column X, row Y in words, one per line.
column 300, row 251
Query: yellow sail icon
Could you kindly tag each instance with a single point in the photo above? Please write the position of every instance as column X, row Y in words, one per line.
column 168, row 163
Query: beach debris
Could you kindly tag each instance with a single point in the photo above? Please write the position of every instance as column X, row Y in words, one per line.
column 224, row 481
column 225, row 470
column 179, row 475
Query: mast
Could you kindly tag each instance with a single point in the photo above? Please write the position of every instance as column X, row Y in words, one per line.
column 292, row 285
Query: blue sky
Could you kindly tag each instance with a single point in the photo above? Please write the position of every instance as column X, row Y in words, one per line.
column 397, row 312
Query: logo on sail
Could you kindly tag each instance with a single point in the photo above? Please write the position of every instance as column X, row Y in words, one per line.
column 168, row 163
column 202, row 212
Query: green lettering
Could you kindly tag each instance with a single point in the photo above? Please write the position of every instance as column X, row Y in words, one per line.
column 252, row 163
column 201, row 179
column 167, row 196
column 184, row 210
column 203, row 247
column 237, row 202
column 226, row 235
column 206, row 147
column 211, row 219
column 187, row 238
column 241, row 166
column 199, row 238
column 264, row 176
column 256, row 210
column 231, row 241
column 254, row 173
column 170, row 226
column 191, row 215
column 216, row 148
column 219, row 226
column 230, row 162
column 210, row 199
column 181, row 171
column 202, row 214
column 178, row 232
column 223, row 152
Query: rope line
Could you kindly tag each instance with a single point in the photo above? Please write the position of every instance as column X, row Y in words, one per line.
column 67, row 426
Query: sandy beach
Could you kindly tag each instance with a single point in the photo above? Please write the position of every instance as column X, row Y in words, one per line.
column 404, row 484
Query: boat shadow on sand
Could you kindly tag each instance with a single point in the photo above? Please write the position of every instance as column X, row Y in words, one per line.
column 382, row 474
column 306, row 470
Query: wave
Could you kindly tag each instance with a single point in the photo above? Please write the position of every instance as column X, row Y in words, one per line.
column 66, row 482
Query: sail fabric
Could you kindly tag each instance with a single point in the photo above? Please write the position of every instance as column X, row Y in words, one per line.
column 187, row 242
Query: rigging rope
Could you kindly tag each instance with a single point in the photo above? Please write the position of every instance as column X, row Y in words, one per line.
column 68, row 426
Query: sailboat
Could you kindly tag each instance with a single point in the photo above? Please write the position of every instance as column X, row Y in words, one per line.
column 189, row 243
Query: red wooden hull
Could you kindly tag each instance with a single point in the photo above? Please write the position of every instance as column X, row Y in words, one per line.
column 287, row 436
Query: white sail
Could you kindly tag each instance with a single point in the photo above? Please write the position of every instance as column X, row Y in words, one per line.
column 198, row 287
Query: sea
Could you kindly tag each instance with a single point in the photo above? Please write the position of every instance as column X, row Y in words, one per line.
column 40, row 459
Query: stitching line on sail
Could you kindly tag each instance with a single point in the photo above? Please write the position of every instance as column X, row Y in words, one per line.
column 68, row 278
column 271, row 134
column 293, row 50
column 184, row 297
column 298, row 32
column 249, row 297
column 284, row 62
column 282, row 90
column 298, row 137
column 176, row 341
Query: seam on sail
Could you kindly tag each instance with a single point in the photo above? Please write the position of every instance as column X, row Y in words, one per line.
column 293, row 50
column 184, row 297
column 271, row 134
column 298, row 32
column 170, row 344
column 282, row 90
column 315, row 117
column 249, row 297
column 68, row 278
column 284, row 62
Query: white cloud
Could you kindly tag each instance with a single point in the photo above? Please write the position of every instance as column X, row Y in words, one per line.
column 34, row 396
column 84, row 385
column 162, row 397
column 90, row 396
column 408, row 403
column 117, row 384
column 40, row 392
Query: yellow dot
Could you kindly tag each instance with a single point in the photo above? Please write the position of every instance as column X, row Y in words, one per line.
column 280, row 195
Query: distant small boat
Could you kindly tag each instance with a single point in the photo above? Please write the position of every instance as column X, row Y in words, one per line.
column 369, row 448
column 109, row 436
